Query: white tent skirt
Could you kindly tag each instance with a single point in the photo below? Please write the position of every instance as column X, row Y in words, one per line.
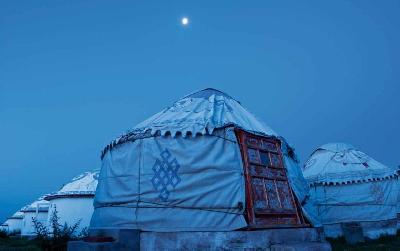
column 71, row 211
column 372, row 204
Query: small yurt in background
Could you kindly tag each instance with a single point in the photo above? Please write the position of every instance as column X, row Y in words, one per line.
column 74, row 201
column 38, row 210
column 13, row 224
column 349, row 187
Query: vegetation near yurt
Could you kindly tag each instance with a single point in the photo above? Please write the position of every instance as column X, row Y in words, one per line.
column 384, row 243
column 9, row 241
column 54, row 238
column 57, row 237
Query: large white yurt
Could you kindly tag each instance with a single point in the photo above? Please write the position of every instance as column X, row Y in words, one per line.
column 74, row 201
column 202, row 164
column 13, row 224
column 38, row 209
column 348, row 186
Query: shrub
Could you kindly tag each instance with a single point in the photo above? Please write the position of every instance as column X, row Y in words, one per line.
column 57, row 237
column 3, row 234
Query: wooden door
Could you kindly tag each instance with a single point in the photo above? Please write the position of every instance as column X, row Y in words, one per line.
column 269, row 199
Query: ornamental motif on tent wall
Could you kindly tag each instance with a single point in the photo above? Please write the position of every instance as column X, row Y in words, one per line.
column 377, row 193
column 165, row 174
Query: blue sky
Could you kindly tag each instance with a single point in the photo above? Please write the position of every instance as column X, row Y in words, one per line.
column 75, row 74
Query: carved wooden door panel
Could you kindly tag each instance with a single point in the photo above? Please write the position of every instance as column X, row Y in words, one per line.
column 269, row 199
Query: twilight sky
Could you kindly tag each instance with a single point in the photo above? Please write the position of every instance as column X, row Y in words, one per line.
column 75, row 74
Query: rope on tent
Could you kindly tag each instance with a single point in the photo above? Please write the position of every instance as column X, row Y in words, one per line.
column 140, row 164
column 126, row 205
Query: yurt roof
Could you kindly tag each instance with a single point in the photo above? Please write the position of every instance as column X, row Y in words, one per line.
column 341, row 163
column 17, row 215
column 336, row 147
column 41, row 205
column 83, row 185
column 198, row 113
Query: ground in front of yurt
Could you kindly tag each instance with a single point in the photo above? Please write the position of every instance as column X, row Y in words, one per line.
column 18, row 244
column 385, row 243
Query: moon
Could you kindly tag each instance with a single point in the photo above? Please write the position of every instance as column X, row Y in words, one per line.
column 185, row 21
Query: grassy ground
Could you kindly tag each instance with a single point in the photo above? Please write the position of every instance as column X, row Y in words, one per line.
column 386, row 243
column 18, row 244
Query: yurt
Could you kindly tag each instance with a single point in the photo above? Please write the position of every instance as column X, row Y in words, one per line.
column 13, row 224
column 352, row 191
column 202, row 164
column 74, row 201
column 398, row 197
column 38, row 210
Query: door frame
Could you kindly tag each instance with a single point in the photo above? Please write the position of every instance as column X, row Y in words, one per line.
column 250, row 214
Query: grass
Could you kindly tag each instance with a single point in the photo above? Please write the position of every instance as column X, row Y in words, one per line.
column 385, row 243
column 18, row 244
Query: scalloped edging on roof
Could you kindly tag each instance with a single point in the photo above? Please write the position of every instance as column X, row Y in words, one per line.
column 312, row 183
column 199, row 113
column 133, row 135
column 151, row 132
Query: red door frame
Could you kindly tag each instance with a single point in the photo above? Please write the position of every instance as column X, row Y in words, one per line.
column 275, row 219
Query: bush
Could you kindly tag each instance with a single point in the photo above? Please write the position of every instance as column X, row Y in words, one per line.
column 3, row 234
column 384, row 243
column 57, row 237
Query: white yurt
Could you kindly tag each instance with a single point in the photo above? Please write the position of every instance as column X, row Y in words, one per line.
column 74, row 201
column 202, row 164
column 398, row 197
column 348, row 186
column 13, row 224
column 38, row 209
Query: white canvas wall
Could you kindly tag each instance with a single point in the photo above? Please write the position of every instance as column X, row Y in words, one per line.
column 206, row 197
column 359, row 202
column 398, row 202
column 27, row 223
column 71, row 210
column 12, row 225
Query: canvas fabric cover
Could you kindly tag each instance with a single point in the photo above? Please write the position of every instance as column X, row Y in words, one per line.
column 83, row 184
column 74, row 201
column 338, row 163
column 299, row 185
column 347, row 185
column 37, row 205
column 398, row 197
column 203, row 189
column 398, row 201
column 37, row 209
column 198, row 113
column 71, row 210
column 202, row 112
column 368, row 201
column 13, row 223
column 195, row 133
